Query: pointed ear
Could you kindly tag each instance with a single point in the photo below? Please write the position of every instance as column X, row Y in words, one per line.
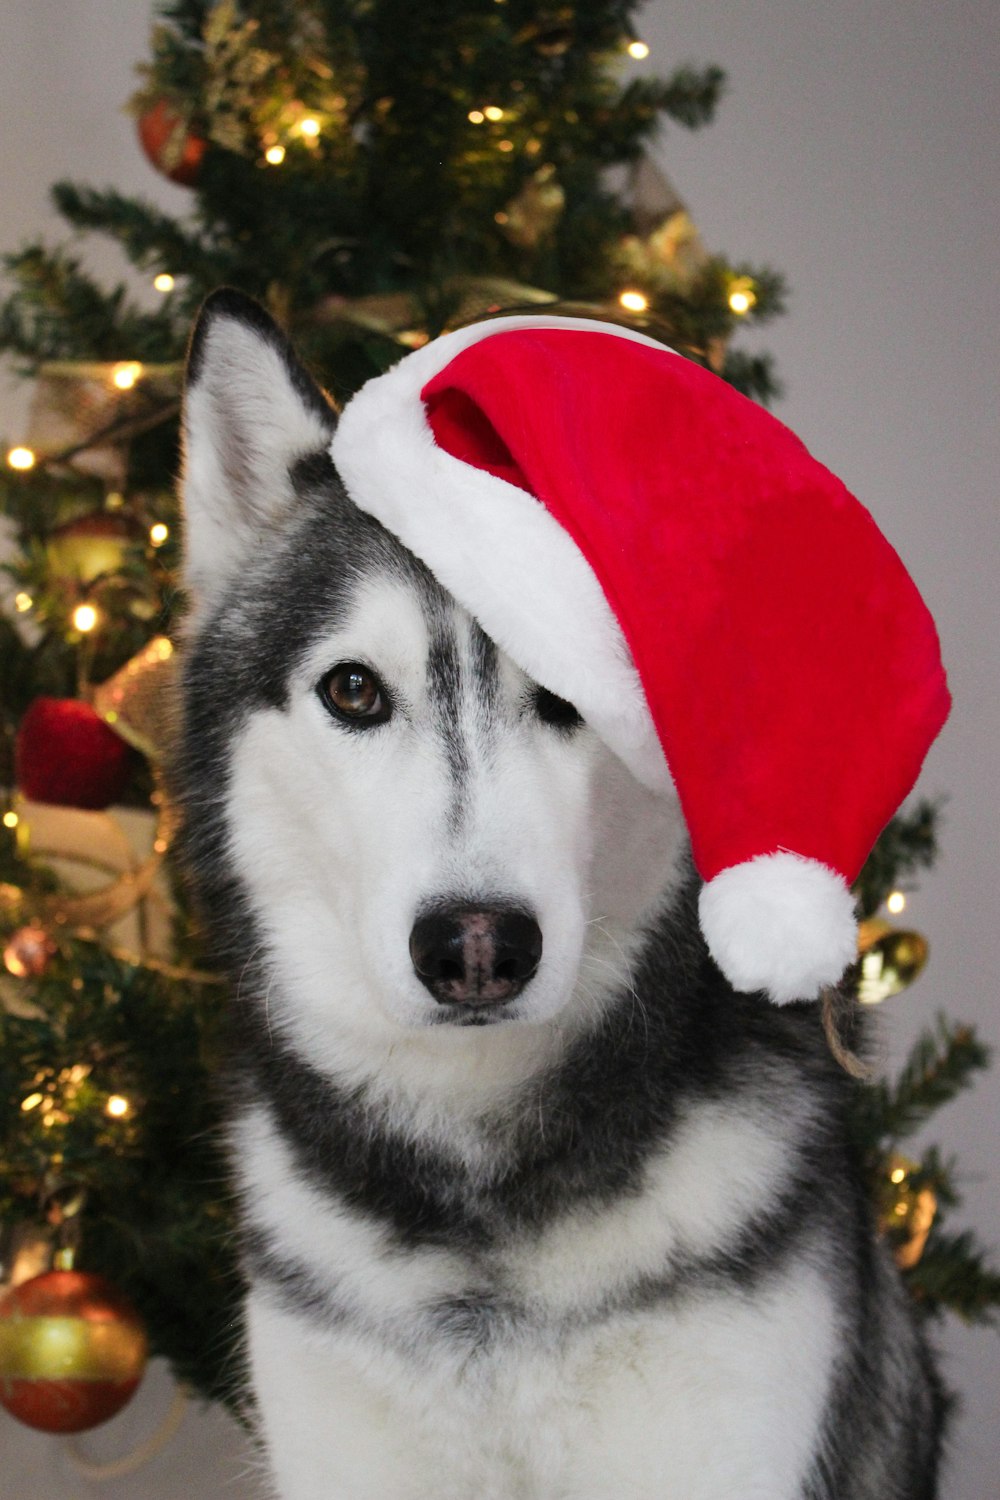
column 251, row 412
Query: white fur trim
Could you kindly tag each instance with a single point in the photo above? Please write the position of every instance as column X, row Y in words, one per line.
column 497, row 548
column 781, row 923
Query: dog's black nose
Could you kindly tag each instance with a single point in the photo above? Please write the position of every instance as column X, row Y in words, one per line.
column 475, row 955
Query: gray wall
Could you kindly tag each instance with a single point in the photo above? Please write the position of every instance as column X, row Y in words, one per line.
column 856, row 151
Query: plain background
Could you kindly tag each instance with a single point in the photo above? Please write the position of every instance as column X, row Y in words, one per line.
column 857, row 151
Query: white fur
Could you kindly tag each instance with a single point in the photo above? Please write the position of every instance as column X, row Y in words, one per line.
column 585, row 1407
column 719, row 1399
column 780, row 923
column 497, row 548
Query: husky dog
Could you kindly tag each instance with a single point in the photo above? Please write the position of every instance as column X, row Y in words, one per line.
column 534, row 1205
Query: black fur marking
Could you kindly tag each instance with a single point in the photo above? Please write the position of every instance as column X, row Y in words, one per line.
column 444, row 681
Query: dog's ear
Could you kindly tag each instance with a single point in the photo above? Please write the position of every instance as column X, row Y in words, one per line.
column 251, row 411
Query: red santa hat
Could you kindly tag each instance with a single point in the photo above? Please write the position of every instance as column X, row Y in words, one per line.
column 666, row 555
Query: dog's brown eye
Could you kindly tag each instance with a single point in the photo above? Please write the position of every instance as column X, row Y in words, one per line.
column 352, row 692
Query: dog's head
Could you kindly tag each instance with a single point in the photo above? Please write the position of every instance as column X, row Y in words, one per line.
column 398, row 828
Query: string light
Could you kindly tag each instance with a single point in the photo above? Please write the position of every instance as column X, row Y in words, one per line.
column 10, row 819
column 898, row 1174
column 125, row 375
column 274, row 155
column 638, row 49
column 117, row 1106
column 310, row 128
column 896, row 902
column 634, row 301
column 476, row 116
column 21, row 458
column 31, row 1102
column 164, row 282
column 493, row 112
column 158, row 534
column 22, row 603
column 85, row 617
column 742, row 295
column 505, row 145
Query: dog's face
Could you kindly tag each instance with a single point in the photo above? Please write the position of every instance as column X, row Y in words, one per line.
column 427, row 840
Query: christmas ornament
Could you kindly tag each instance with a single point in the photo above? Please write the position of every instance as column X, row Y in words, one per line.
column 85, row 847
column 170, row 143
column 72, row 1351
column 535, row 211
column 649, row 545
column 65, row 753
column 28, row 952
column 137, row 701
column 84, row 548
column 891, row 959
column 907, row 1210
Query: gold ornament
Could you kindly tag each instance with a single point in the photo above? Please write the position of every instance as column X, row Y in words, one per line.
column 906, row 1211
column 137, row 702
column 891, row 959
column 533, row 213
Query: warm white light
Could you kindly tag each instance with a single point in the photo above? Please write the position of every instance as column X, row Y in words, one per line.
column 22, row 603
column 638, row 50
column 310, row 127
column 21, row 458
column 896, row 902
column 493, row 112
column 117, row 1106
column 164, row 282
column 158, row 534
column 84, row 618
column 125, row 375
column 275, row 155
column 898, row 1174
column 742, row 295
column 634, row 301
column 476, row 116
column 505, row 145
column 10, row 819
column 32, row 1102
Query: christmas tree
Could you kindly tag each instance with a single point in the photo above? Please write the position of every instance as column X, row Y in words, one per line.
column 375, row 173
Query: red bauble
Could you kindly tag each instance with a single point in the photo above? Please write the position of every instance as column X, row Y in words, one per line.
column 72, row 1351
column 66, row 754
column 170, row 144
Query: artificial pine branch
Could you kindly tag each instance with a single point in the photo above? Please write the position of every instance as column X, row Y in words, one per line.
column 939, row 1067
column 58, row 311
column 907, row 844
column 150, row 239
column 952, row 1276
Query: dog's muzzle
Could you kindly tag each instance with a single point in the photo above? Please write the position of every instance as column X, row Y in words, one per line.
column 475, row 955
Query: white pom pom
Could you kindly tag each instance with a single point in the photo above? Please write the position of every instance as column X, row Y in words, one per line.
column 780, row 923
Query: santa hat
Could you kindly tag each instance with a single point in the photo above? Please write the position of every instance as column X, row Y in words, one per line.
column 662, row 552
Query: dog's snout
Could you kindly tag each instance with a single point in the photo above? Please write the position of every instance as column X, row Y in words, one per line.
column 475, row 955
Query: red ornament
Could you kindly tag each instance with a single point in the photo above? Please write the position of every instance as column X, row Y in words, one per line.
column 170, row 144
column 66, row 754
column 72, row 1351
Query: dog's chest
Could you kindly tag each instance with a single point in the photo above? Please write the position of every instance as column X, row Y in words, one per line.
column 574, row 1359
